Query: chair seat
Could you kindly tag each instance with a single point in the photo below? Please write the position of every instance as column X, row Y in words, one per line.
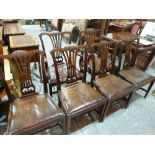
column 135, row 76
column 32, row 113
column 62, row 73
column 80, row 96
column 112, row 86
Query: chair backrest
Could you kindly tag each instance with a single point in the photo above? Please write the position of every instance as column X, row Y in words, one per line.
column 104, row 49
column 20, row 61
column 130, row 49
column 89, row 36
column 56, row 38
column 5, row 85
column 105, row 26
column 70, row 56
column 136, row 28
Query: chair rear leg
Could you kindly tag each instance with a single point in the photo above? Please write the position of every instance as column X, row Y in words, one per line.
column 64, row 131
column 59, row 102
column 50, row 89
column 104, row 111
column 149, row 88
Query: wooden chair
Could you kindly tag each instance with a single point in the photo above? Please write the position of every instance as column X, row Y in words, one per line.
column 88, row 37
column 135, row 29
column 95, row 62
column 110, row 85
column 4, row 104
column 76, row 97
column 105, row 26
column 135, row 76
column 2, row 79
column 56, row 40
column 32, row 112
column 94, row 36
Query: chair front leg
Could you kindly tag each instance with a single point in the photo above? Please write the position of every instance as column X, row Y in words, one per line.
column 50, row 90
column 104, row 111
column 64, row 131
column 129, row 99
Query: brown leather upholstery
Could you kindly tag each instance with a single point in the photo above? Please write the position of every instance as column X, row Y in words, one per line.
column 33, row 111
column 80, row 96
column 135, row 76
column 112, row 86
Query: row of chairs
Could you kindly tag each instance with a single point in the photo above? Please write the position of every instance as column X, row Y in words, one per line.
column 33, row 112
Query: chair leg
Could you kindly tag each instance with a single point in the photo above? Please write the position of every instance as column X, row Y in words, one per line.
column 35, row 65
column 50, row 89
column 59, row 102
column 41, row 78
column 91, row 116
column 129, row 99
column 68, row 126
column 149, row 88
column 104, row 111
column 64, row 131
